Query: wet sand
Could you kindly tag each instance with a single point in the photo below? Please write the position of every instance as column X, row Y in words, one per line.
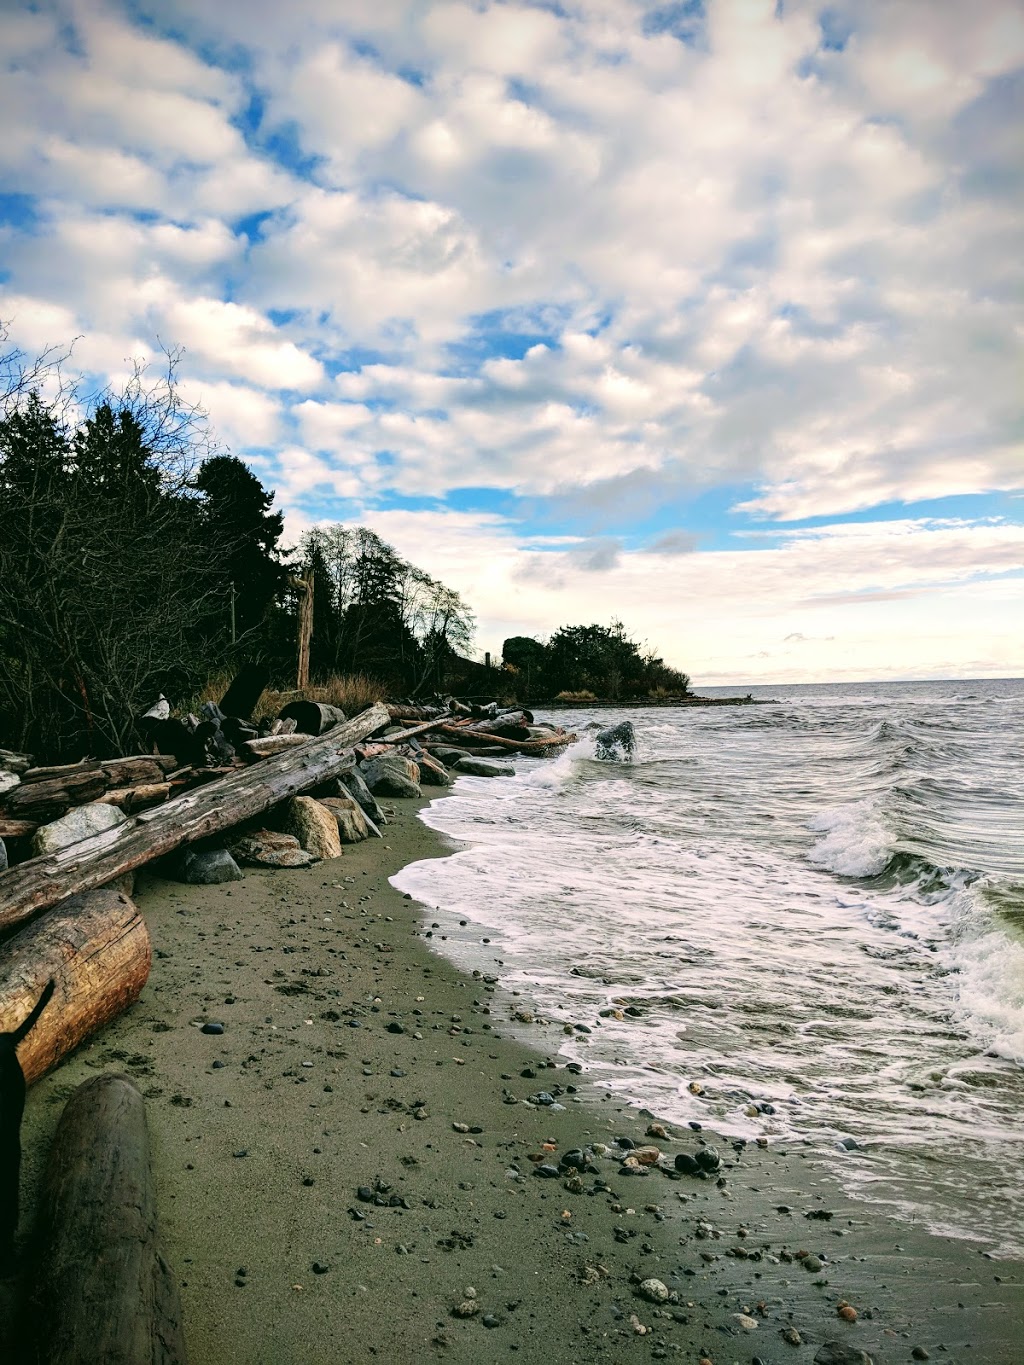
column 344, row 1164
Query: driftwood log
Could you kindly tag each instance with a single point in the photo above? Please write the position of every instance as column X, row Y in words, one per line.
column 524, row 746
column 96, row 947
column 41, row 882
column 312, row 717
column 104, row 1292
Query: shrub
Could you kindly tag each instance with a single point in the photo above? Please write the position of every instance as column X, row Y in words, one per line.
column 582, row 695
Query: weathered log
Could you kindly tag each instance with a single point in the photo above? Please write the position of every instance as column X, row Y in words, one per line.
column 17, row 829
column 69, row 790
column 103, row 1290
column 219, row 805
column 524, row 746
column 96, row 947
column 416, row 729
column 84, row 765
column 312, row 717
column 247, row 686
column 273, row 744
column 139, row 797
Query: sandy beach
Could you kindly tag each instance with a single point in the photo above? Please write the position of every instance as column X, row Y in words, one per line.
column 349, row 1171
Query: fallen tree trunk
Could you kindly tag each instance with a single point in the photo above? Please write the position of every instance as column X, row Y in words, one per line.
column 312, row 717
column 524, row 746
column 140, row 797
column 416, row 730
column 17, row 829
column 96, row 947
column 219, row 805
column 103, row 1289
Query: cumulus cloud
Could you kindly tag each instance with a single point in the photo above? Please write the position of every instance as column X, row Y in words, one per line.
column 600, row 258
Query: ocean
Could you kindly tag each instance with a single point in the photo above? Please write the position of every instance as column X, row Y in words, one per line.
column 802, row 919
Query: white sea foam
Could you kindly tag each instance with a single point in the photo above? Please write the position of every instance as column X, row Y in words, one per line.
column 857, row 842
column 686, row 882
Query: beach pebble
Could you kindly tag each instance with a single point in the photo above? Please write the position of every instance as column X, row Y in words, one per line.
column 791, row 1336
column 838, row 1353
column 637, row 1326
column 687, row 1164
column 212, row 1028
column 812, row 1264
column 748, row 1324
column 847, row 1312
column 708, row 1159
column 654, row 1290
column 695, row 1088
column 547, row 1171
column 468, row 1308
column 320, row 1268
column 919, row 1353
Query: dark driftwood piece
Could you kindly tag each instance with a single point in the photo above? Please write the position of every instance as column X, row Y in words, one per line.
column 96, row 948
column 104, row 1291
column 524, row 746
column 416, row 730
column 216, row 806
column 312, row 717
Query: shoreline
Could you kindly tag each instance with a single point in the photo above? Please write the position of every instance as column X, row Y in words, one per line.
column 324, row 980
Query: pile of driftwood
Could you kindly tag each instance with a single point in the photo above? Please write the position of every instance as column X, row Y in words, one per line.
column 75, row 952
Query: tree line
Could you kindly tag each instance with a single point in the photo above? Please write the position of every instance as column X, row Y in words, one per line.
column 136, row 559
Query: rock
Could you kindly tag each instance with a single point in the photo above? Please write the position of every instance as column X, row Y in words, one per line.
column 616, row 741
column 812, row 1264
column 849, row 1144
column 546, row 1171
column 708, row 1159
column 433, row 773
column 208, row 867
column 654, row 1290
column 687, row 1164
column 446, row 753
column 352, row 825
column 3, row 856
column 81, row 823
column 213, row 1026
column 748, row 1324
column 838, row 1353
column 392, row 775
column 314, row 826
column 8, row 781
column 353, row 782
column 791, row 1336
column 469, row 766
column 13, row 762
column 269, row 848
column 847, row 1312
column 919, row 1353
column 468, row 1308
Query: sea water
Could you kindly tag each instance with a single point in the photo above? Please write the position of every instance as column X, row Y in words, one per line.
column 816, row 903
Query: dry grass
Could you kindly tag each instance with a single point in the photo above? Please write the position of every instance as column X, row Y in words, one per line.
column 581, row 695
column 353, row 692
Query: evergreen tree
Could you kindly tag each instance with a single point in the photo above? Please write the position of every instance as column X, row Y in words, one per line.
column 246, row 535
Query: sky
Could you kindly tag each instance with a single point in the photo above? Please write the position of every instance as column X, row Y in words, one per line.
column 704, row 316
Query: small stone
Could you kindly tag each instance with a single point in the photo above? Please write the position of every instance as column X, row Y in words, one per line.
column 791, row 1336
column 212, row 1027
column 812, row 1264
column 687, row 1164
column 320, row 1268
column 420, row 1113
column 695, row 1088
column 468, row 1308
column 708, row 1159
column 847, row 1312
column 547, row 1171
column 461, row 1127
column 838, row 1353
column 490, row 1320
column 748, row 1324
column 654, row 1290
column 919, row 1353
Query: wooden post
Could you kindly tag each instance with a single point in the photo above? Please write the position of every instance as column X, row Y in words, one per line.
column 103, row 1291
column 305, row 629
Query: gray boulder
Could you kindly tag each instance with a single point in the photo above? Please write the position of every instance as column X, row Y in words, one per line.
column 13, row 762
column 392, row 775
column 208, row 867
column 469, row 766
column 81, row 823
column 270, row 848
column 433, row 773
column 8, row 781
column 446, row 753
column 353, row 825
column 352, row 782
